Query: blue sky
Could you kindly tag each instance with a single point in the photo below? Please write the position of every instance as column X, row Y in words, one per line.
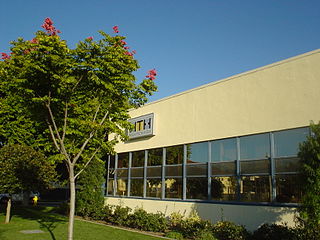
column 189, row 42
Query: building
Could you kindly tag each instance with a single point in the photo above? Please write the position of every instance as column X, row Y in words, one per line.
column 227, row 149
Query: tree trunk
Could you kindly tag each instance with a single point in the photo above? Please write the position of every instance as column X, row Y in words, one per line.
column 7, row 220
column 72, row 202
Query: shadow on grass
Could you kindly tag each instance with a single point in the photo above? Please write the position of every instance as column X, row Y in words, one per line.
column 46, row 217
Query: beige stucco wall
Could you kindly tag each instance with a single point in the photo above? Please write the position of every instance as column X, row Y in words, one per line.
column 250, row 216
column 278, row 96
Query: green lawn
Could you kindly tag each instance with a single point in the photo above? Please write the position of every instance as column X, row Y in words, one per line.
column 55, row 227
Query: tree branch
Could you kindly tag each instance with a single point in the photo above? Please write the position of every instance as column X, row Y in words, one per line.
column 65, row 122
column 87, row 163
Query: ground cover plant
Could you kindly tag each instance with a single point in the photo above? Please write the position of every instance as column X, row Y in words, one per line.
column 54, row 225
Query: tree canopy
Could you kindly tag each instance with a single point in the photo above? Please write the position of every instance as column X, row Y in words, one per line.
column 76, row 97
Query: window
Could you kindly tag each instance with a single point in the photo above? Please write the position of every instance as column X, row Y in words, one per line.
column 174, row 155
column 197, row 188
column 255, row 189
column 122, row 187
column 287, row 142
column 138, row 159
column 197, row 152
column 223, row 188
column 255, row 166
column 155, row 157
column 224, row 150
column 255, row 147
column 173, row 188
column 288, row 189
column 123, row 160
column 154, row 188
column 136, row 188
column 223, row 168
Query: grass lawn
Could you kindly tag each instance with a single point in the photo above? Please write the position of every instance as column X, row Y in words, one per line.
column 54, row 227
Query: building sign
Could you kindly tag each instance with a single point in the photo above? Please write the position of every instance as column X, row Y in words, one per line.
column 143, row 126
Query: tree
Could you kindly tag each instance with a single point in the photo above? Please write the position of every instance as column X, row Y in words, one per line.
column 23, row 169
column 81, row 95
column 90, row 198
column 310, row 180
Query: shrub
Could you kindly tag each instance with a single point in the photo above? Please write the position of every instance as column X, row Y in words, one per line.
column 142, row 220
column 121, row 215
column 274, row 231
column 205, row 235
column 63, row 208
column 174, row 235
column 225, row 230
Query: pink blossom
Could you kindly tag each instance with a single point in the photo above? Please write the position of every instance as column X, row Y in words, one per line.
column 134, row 52
column 152, row 74
column 90, row 38
column 123, row 42
column 34, row 40
column 116, row 29
column 128, row 53
column 126, row 48
column 48, row 26
column 4, row 56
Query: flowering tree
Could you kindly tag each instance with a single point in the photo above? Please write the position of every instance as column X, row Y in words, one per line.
column 81, row 95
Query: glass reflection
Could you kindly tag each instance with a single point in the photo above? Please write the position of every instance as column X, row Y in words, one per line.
column 197, row 188
column 255, row 146
column 288, row 189
column 136, row 188
column 155, row 157
column 122, row 187
column 173, row 188
column 154, row 188
column 224, row 150
column 287, row 142
column 174, row 155
column 255, row 189
column 197, row 152
column 223, row 188
column 123, row 160
column 138, row 159
column 110, row 187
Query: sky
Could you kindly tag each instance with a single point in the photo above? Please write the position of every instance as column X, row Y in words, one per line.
column 189, row 42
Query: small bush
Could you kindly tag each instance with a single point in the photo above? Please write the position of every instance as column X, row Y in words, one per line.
column 205, row 235
column 63, row 208
column 121, row 216
column 155, row 222
column 174, row 235
column 274, row 231
column 225, row 230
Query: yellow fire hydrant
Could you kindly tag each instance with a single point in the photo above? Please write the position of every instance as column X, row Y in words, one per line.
column 35, row 200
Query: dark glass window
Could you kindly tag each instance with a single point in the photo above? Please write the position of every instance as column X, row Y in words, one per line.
column 122, row 187
column 155, row 157
column 287, row 142
column 224, row 150
column 223, row 168
column 197, row 152
column 255, row 146
column 288, row 165
column 173, row 188
column 154, row 171
column 255, row 189
column 173, row 171
column 123, row 160
column 154, row 188
column 255, row 166
column 112, row 161
column 138, row 159
column 197, row 170
column 288, row 188
column 197, row 188
column 110, row 187
column 174, row 155
column 122, row 173
column 223, row 188
column 136, row 189
column 136, row 172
